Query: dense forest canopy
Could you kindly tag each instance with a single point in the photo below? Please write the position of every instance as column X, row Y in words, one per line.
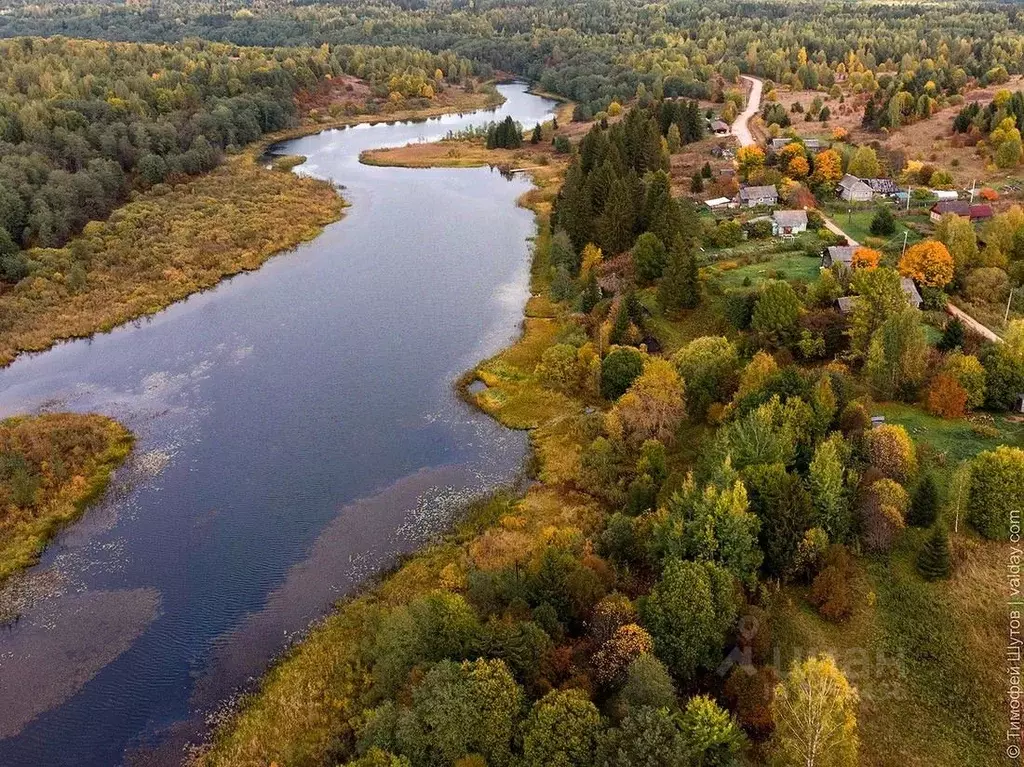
column 83, row 123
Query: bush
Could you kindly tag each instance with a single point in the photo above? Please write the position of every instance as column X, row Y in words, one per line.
column 891, row 451
column 996, row 491
column 987, row 284
column 750, row 692
column 946, row 397
column 832, row 591
column 562, row 730
column 619, row 369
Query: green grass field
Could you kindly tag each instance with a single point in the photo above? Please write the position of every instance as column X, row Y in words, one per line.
column 794, row 265
column 956, row 440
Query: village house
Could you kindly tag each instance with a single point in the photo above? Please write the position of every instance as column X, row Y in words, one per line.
column 846, row 303
column 752, row 196
column 810, row 144
column 852, row 189
column 788, row 223
column 911, row 290
column 962, row 208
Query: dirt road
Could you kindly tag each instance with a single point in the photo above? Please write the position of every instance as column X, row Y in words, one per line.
column 741, row 125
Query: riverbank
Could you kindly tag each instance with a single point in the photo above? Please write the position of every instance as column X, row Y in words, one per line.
column 309, row 704
column 53, row 466
column 172, row 241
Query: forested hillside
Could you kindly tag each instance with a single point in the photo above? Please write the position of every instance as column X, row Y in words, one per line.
column 84, row 123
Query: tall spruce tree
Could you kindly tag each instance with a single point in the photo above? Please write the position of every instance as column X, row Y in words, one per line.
column 680, row 286
column 924, row 506
column 537, row 135
column 573, row 211
column 661, row 212
column 934, row 561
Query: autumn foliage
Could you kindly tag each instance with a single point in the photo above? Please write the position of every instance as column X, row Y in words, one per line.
column 866, row 258
column 946, row 397
column 929, row 263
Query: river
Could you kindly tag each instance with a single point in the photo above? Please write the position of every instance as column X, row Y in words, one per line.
column 297, row 428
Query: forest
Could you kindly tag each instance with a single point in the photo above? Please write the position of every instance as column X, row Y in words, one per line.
column 85, row 124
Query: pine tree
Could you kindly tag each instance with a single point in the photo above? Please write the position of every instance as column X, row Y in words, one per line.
column 706, row 171
column 536, row 137
column 934, row 561
column 924, row 507
column 622, row 319
column 661, row 212
column 573, row 209
column 554, row 123
column 697, row 184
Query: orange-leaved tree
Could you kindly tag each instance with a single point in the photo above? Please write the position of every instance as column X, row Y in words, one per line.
column 866, row 258
column 828, row 168
column 928, row 263
column 946, row 397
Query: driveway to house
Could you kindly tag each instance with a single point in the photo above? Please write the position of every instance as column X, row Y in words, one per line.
column 951, row 309
column 740, row 126
column 972, row 324
column 833, row 227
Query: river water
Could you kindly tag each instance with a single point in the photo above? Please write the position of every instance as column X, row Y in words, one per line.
column 297, row 428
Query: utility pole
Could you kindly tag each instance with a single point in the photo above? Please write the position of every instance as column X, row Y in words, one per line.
column 908, row 198
column 906, row 234
column 1006, row 317
column 973, row 184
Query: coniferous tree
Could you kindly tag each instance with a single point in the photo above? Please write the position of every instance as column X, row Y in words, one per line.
column 536, row 137
column 697, row 184
column 934, row 561
column 706, row 171
column 680, row 286
column 591, row 294
column 952, row 335
column 924, row 506
column 617, row 223
column 573, row 207
column 661, row 212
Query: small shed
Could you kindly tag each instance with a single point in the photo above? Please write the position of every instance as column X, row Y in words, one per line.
column 837, row 254
column 718, row 202
column 981, row 212
column 719, row 128
column 911, row 290
column 845, row 304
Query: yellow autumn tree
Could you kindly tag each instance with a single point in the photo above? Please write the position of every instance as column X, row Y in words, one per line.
column 815, row 713
column 591, row 258
column 652, row 407
column 866, row 258
column 750, row 158
column 928, row 263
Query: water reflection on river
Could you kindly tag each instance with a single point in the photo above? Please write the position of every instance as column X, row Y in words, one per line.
column 297, row 427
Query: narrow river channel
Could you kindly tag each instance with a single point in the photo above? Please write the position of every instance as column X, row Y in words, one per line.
column 297, row 428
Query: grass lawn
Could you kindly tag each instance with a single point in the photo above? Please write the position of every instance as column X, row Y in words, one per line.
column 857, row 224
column 925, row 657
column 794, row 265
column 959, row 439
